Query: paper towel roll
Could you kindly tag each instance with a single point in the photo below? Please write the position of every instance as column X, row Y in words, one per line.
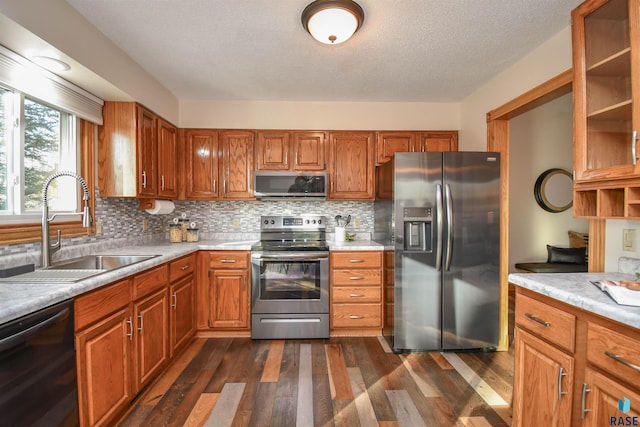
column 162, row 207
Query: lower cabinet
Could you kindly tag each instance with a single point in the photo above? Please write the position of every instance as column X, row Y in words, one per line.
column 572, row 367
column 356, row 290
column 125, row 333
column 224, row 291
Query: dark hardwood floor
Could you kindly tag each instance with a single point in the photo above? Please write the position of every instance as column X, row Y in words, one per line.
column 335, row 382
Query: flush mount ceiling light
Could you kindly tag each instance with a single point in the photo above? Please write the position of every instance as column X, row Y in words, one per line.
column 332, row 21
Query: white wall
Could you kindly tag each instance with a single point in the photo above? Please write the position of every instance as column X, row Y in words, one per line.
column 319, row 115
column 613, row 243
column 547, row 61
column 533, row 136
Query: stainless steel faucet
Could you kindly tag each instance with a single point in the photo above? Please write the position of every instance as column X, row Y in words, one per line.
column 48, row 248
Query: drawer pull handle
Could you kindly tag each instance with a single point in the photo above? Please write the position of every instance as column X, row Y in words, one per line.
column 537, row 319
column 356, row 260
column 621, row 360
column 175, row 301
column 141, row 327
column 560, row 375
column 185, row 267
column 356, row 278
column 355, row 316
column 356, row 295
column 227, row 260
column 583, row 401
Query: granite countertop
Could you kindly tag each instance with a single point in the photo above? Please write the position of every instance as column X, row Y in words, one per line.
column 577, row 290
column 20, row 298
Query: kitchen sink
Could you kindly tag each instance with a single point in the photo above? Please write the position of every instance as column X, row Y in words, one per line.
column 99, row 262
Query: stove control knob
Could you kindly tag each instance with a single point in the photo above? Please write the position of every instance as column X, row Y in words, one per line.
column 319, row 221
column 306, row 221
column 273, row 221
column 266, row 221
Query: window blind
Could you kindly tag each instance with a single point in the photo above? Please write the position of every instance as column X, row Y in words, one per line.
column 23, row 75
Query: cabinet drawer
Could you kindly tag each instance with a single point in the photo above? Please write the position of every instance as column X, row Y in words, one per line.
column 92, row 307
column 360, row 259
column 614, row 352
column 356, row 316
column 229, row 259
column 182, row 267
column 149, row 281
column 354, row 294
column 546, row 321
column 356, row 277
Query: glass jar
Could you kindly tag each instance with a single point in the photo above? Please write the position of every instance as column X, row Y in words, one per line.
column 184, row 225
column 175, row 233
column 192, row 234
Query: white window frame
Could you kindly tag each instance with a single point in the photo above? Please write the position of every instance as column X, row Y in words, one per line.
column 69, row 160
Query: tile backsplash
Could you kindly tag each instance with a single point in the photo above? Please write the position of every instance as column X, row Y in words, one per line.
column 122, row 223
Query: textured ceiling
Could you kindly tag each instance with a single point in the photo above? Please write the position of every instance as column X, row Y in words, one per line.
column 406, row 50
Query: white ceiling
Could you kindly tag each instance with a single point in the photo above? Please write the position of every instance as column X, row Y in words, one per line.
column 406, row 50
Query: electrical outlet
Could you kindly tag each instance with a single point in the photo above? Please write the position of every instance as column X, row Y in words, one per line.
column 356, row 223
column 145, row 224
column 98, row 228
column 629, row 239
column 236, row 223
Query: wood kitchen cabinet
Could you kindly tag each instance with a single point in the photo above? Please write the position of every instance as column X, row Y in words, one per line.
column 218, row 164
column 202, row 170
column 351, row 165
column 571, row 367
column 390, row 142
column 122, row 343
column 131, row 161
column 606, row 38
column 167, row 160
column 104, row 334
column 356, row 290
column 224, row 291
column 291, row 151
column 182, row 298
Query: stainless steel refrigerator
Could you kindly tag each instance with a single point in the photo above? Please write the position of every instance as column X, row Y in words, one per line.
column 441, row 214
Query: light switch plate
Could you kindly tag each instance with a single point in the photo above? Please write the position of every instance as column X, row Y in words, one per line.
column 629, row 239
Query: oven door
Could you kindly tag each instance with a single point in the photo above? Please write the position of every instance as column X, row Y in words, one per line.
column 290, row 282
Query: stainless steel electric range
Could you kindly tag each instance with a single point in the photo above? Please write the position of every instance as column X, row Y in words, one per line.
column 290, row 278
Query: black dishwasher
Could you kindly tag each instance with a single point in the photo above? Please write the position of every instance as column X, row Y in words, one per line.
column 38, row 370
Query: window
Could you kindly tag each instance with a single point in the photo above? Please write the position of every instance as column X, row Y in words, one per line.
column 36, row 140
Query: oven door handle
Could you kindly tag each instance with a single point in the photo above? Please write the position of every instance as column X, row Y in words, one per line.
column 293, row 258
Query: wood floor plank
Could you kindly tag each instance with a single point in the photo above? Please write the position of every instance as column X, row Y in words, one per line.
column 227, row 364
column 480, row 386
column 387, row 366
column 322, row 405
column 406, row 411
column 500, row 384
column 202, row 409
column 366, row 350
column 440, row 360
column 419, row 376
column 304, row 405
column 384, row 344
column 338, row 376
column 366, row 414
column 253, row 371
column 225, row 408
column 263, row 405
column 475, row 422
column 272, row 366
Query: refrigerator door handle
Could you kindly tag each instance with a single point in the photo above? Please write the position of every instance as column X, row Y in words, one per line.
column 439, row 227
column 449, row 205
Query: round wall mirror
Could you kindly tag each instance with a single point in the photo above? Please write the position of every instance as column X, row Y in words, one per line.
column 554, row 190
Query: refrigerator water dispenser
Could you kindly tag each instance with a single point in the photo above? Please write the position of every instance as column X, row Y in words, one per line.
column 417, row 229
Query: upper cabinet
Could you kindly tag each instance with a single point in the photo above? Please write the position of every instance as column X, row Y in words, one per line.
column 137, row 153
column 351, row 165
column 218, row 164
column 606, row 37
column 391, row 142
column 290, row 151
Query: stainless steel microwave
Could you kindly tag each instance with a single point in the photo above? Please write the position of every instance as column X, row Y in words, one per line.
column 280, row 185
